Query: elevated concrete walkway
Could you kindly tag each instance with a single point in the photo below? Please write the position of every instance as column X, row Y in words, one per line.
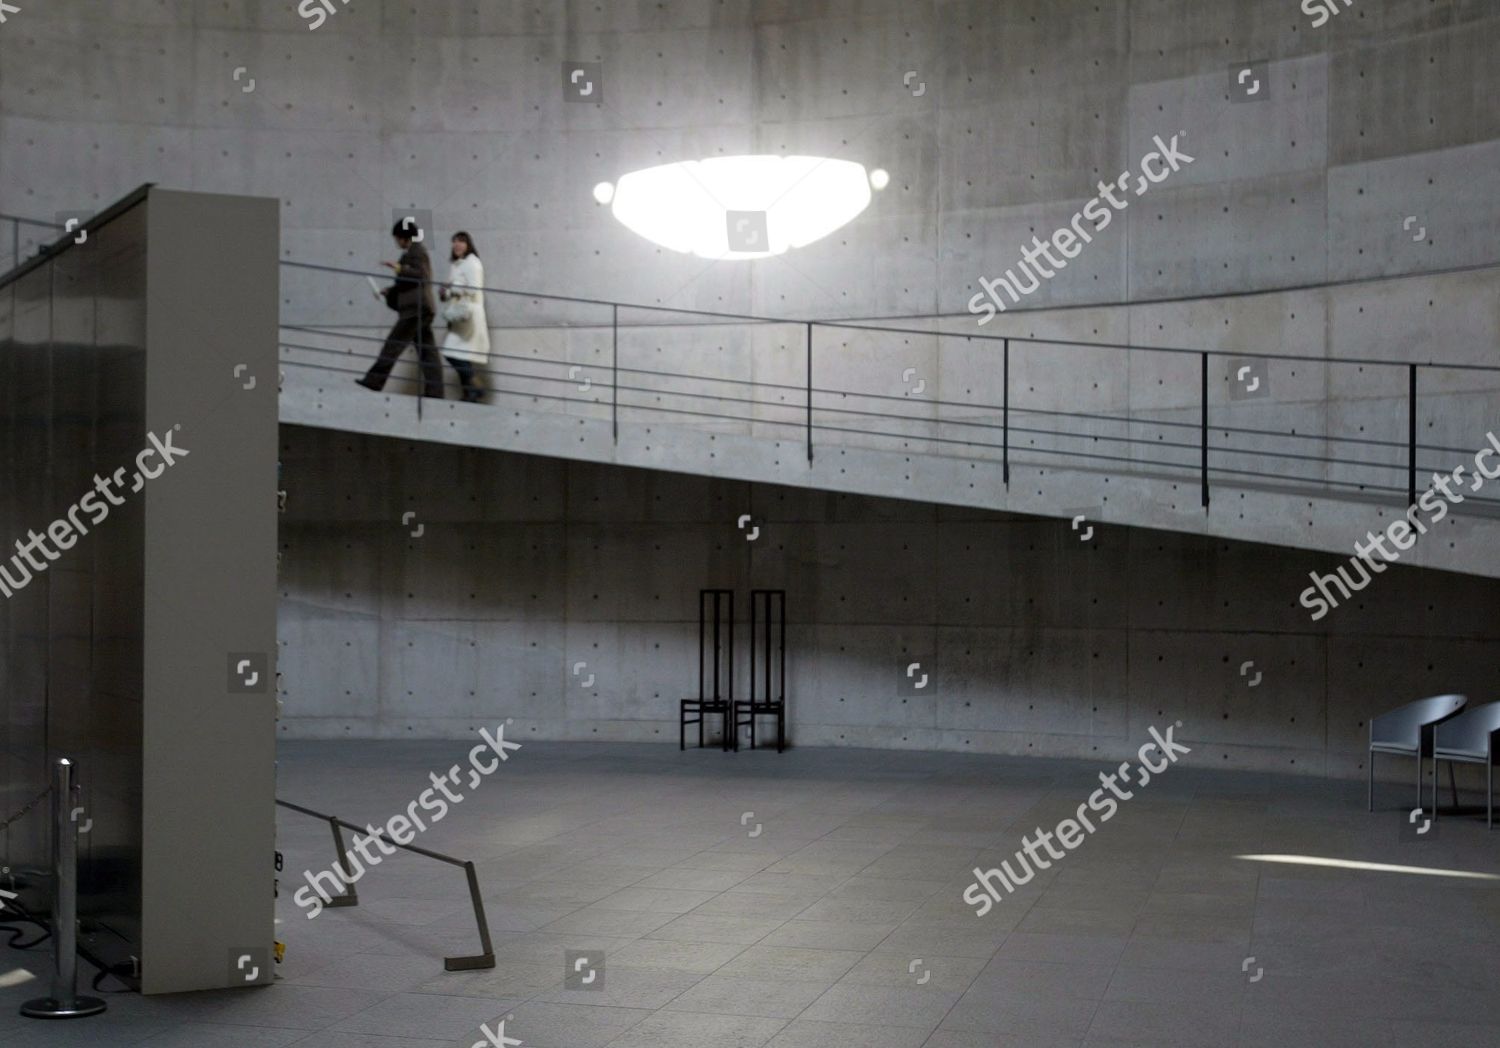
column 731, row 400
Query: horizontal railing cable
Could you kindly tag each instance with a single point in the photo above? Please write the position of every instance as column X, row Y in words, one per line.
column 1319, row 481
column 885, row 329
column 827, row 391
column 920, row 420
column 1190, row 441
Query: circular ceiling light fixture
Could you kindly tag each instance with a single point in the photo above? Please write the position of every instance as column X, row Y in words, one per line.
column 741, row 207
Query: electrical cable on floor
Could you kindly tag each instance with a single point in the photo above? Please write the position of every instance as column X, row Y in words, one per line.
column 16, row 933
column 117, row 971
column 16, row 912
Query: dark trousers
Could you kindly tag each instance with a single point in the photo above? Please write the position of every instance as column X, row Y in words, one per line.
column 465, row 369
column 414, row 330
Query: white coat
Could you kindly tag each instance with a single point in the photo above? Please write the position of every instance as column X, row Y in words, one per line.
column 469, row 340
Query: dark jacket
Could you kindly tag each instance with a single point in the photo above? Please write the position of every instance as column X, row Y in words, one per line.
column 414, row 281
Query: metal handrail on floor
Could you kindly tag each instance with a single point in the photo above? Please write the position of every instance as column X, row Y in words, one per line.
column 480, row 961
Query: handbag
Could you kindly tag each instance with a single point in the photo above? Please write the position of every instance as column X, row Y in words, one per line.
column 457, row 311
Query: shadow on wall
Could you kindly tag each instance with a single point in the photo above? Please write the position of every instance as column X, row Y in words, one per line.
column 426, row 588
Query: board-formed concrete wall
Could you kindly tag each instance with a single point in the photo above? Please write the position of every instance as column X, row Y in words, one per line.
column 512, row 570
column 1371, row 145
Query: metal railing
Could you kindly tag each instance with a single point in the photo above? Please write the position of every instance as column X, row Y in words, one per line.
column 1022, row 414
column 1017, row 408
column 21, row 238
column 484, row 959
column 65, row 1002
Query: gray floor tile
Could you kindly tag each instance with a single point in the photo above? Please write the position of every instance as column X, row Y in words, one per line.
column 213, row 1035
column 804, row 1034
column 847, row 1002
column 744, row 995
column 1167, row 1025
column 703, row 958
column 1028, row 1037
column 343, row 1039
column 961, row 936
column 1064, row 1018
column 1007, row 980
column 652, row 900
column 1062, row 948
column 708, row 927
column 694, row 879
column 843, row 923
column 372, row 971
column 628, row 988
column 698, row 1030
column 831, row 935
column 885, row 967
column 547, row 1024
column 596, row 920
column 508, row 980
column 426, row 1015
column 792, row 964
column 755, row 904
column 285, row 1005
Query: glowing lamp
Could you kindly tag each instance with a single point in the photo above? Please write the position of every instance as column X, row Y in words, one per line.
column 741, row 207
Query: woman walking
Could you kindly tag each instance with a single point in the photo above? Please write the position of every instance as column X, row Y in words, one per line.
column 467, row 343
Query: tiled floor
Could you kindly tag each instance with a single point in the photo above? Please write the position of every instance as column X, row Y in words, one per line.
column 813, row 900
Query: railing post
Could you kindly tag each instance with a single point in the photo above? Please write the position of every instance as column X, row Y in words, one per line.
column 614, row 370
column 486, row 957
column 453, row 964
column 1005, row 415
column 1411, row 434
column 15, row 244
column 1203, row 374
column 351, row 895
column 809, row 393
column 417, row 345
column 65, row 1003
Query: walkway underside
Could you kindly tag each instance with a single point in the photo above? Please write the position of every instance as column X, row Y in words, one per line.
column 937, row 464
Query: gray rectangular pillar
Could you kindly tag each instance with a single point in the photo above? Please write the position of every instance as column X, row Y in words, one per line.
column 209, row 636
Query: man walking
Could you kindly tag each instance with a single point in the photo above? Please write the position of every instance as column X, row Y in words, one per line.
column 412, row 299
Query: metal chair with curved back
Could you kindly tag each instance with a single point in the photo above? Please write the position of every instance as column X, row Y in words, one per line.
column 1409, row 732
column 1469, row 738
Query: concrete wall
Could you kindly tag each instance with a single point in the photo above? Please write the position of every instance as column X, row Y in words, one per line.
column 1370, row 150
column 1016, row 110
column 1349, row 418
column 1034, row 641
column 1383, row 115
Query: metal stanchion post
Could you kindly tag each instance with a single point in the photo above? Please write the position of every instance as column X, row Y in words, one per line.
column 65, row 1003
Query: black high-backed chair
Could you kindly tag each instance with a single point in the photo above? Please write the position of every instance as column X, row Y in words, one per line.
column 1473, row 737
column 1409, row 732
column 768, row 650
column 716, row 673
